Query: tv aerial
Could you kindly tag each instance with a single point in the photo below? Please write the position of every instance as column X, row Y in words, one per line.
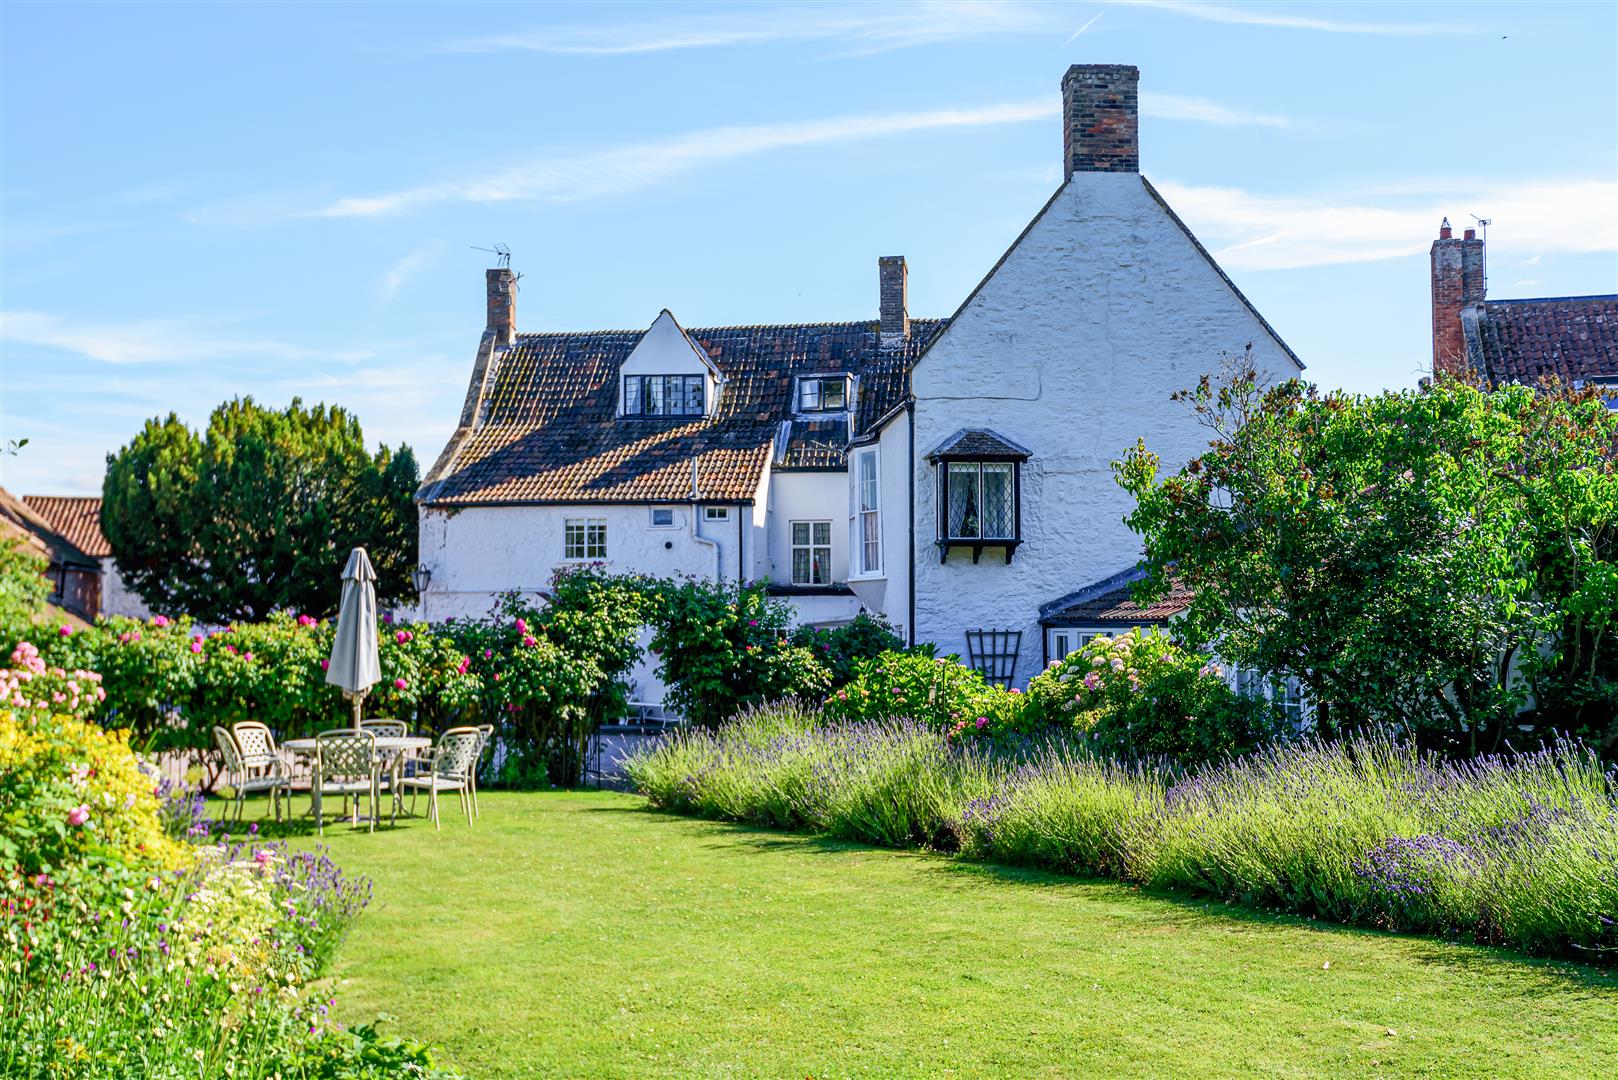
column 501, row 252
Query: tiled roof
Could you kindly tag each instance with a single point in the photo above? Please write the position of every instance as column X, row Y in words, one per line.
column 1574, row 338
column 1108, row 603
column 19, row 522
column 548, row 430
column 76, row 517
column 977, row 443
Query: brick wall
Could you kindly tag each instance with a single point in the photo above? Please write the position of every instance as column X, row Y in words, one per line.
column 1457, row 273
column 1101, row 118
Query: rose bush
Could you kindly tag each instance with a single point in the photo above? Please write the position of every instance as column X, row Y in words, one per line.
column 938, row 691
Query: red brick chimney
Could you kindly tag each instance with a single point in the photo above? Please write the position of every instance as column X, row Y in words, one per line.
column 1101, row 119
column 502, row 285
column 1457, row 282
column 893, row 280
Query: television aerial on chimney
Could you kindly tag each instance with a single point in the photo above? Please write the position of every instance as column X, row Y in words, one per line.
column 499, row 251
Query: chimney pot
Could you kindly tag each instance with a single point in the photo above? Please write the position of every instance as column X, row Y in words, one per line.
column 1444, row 231
column 1101, row 119
column 1470, row 234
column 893, row 278
column 502, row 288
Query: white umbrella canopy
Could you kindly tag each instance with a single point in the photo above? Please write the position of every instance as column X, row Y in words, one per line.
column 354, row 664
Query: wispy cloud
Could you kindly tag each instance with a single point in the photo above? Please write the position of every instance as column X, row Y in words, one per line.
column 571, row 177
column 148, row 341
column 1174, row 107
column 394, row 277
column 1271, row 15
column 859, row 29
column 1251, row 231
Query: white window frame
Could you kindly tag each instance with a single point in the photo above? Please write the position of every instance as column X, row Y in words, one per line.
column 793, row 547
column 656, row 510
column 716, row 513
column 586, row 544
column 818, row 382
column 1077, row 638
column 868, row 516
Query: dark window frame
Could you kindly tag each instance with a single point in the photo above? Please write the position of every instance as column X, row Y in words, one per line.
column 976, row 544
column 669, row 382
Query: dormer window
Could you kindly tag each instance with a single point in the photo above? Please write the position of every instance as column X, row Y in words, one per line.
column 823, row 393
column 979, row 492
column 663, row 395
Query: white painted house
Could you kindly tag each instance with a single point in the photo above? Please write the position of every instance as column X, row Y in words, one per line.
column 951, row 475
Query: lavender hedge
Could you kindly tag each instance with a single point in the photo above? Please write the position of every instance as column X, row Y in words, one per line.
column 1519, row 849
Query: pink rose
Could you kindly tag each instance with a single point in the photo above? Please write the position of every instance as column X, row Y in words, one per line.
column 305, row 620
column 528, row 641
column 196, row 644
column 160, row 620
column 983, row 722
column 399, row 684
column 752, row 622
column 402, row 636
column 325, row 665
column 66, row 631
column 487, row 653
column 248, row 657
column 78, row 815
column 522, row 626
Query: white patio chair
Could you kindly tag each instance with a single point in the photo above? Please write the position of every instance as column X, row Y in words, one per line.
column 449, row 768
column 242, row 778
column 346, row 765
column 262, row 761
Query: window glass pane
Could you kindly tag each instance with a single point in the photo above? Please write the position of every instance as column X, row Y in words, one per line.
column 800, row 532
column 800, row 566
column 662, row 516
column 1061, row 644
column 999, row 516
column 868, row 492
column 965, row 517
column 632, row 395
column 871, row 542
column 822, row 534
column 652, row 397
column 820, row 570
column 809, row 395
column 693, row 395
column 834, row 394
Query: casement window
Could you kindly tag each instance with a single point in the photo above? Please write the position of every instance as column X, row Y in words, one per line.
column 979, row 492
column 811, row 552
column 716, row 513
column 868, row 516
column 584, row 538
column 823, row 393
column 663, row 395
column 662, row 517
column 1063, row 640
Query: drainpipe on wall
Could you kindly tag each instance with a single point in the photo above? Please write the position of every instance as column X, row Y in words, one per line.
column 740, row 575
column 910, row 466
column 696, row 494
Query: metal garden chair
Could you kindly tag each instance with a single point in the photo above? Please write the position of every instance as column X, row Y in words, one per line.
column 239, row 772
column 486, row 736
column 346, row 765
column 449, row 768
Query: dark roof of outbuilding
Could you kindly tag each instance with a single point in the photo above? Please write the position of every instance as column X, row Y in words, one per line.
column 1573, row 338
column 548, row 431
column 76, row 517
column 20, row 522
column 1108, row 603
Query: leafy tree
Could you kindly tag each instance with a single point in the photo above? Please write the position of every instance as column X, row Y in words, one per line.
column 23, row 590
column 1428, row 559
column 257, row 514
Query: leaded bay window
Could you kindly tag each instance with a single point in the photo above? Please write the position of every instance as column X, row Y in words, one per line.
column 868, row 520
column 663, row 395
column 811, row 552
column 584, row 538
column 979, row 492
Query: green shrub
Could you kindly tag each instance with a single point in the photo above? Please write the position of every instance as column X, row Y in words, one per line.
column 724, row 647
column 1142, row 695
column 841, row 648
column 938, row 691
column 1519, row 850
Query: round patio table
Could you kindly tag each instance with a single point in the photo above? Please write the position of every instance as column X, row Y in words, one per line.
column 387, row 747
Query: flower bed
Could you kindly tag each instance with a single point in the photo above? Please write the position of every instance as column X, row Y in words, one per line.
column 127, row 951
column 1519, row 850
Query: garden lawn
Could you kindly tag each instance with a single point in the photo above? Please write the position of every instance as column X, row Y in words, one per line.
column 579, row 934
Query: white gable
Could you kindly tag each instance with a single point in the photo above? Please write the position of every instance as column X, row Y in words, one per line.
column 666, row 349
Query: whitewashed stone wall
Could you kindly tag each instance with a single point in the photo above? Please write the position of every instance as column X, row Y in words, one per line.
column 1071, row 349
column 117, row 598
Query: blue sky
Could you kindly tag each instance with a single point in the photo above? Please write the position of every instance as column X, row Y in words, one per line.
column 199, row 201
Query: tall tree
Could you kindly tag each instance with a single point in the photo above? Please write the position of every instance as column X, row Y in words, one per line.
column 1434, row 560
column 257, row 513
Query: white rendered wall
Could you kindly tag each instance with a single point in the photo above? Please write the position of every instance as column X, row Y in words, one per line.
column 1071, row 349
column 117, row 598
column 806, row 496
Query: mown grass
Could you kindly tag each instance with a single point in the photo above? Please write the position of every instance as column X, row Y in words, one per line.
column 579, row 934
